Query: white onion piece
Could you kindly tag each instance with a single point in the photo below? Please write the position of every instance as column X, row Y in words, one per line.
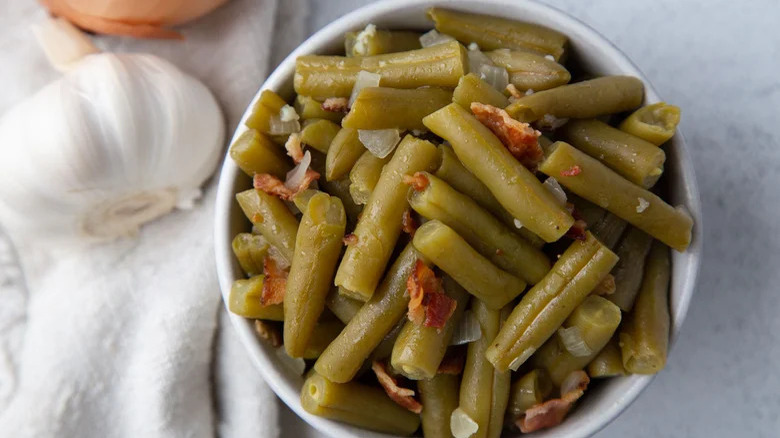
column 361, row 40
column 295, row 177
column 549, row 122
column 476, row 60
column 555, row 188
column 549, row 57
column 517, row 223
column 571, row 338
column 278, row 257
column 461, row 425
column 496, row 76
column 467, row 330
column 276, row 126
column 364, row 79
column 380, row 142
column 433, row 37
column 473, row 46
column 288, row 113
column 295, row 364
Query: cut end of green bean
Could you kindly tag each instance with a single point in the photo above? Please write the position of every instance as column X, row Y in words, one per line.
column 655, row 123
column 244, row 300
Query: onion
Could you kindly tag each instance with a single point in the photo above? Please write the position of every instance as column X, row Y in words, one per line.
column 380, row 142
column 278, row 257
column 288, row 113
column 295, row 176
column 571, row 338
column 364, row 79
column 279, row 127
column 295, row 364
column 433, row 37
column 461, row 425
column 555, row 188
column 517, row 223
column 477, row 59
column 496, row 76
column 467, row 330
column 361, row 40
column 549, row 122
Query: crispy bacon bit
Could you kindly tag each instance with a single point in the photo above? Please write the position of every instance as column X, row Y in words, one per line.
column 418, row 181
column 350, row 239
column 274, row 283
column 294, row 148
column 499, row 252
column 428, row 304
column 274, row 186
column 577, row 230
column 404, row 397
column 552, row 412
column 513, row 91
column 572, row 171
column 269, row 332
column 453, row 362
column 606, row 286
column 336, row 104
column 520, row 138
column 409, row 223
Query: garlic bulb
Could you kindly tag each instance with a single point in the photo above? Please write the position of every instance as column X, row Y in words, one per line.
column 120, row 140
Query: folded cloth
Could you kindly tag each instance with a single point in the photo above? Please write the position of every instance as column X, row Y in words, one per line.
column 121, row 339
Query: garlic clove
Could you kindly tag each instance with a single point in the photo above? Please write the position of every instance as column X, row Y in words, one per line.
column 125, row 216
column 63, row 43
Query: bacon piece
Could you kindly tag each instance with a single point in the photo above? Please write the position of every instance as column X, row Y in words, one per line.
column 350, row 239
column 513, row 91
column 335, row 104
column 552, row 412
column 269, row 332
column 404, row 397
column 418, row 181
column 294, row 148
column 408, row 223
column 577, row 230
column 572, row 171
column 499, row 252
column 606, row 286
column 274, row 186
column 274, row 283
column 428, row 304
column 520, row 138
column 453, row 362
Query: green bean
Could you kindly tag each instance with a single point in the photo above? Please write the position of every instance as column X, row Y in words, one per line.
column 324, row 333
column 244, row 300
column 268, row 105
column 344, row 151
column 609, row 229
column 357, row 404
column 364, row 176
column 419, row 350
column 255, row 153
column 644, row 338
column 310, row 108
column 473, row 89
column 384, row 350
column 380, row 224
column 655, row 123
column 394, row 108
column 339, row 188
column 326, row 76
column 480, row 229
column 343, row 357
column 272, row 218
column 302, row 198
column 319, row 133
column 455, row 174
column 532, row 389
column 515, row 187
column 547, row 305
column 628, row 272
column 492, row 33
column 484, row 391
column 529, row 71
column 342, row 306
column 600, row 185
column 372, row 41
column 250, row 250
column 595, row 321
column 439, row 397
column 581, row 100
column 317, row 247
column 608, row 363
column 481, row 278
column 638, row 161
column 590, row 213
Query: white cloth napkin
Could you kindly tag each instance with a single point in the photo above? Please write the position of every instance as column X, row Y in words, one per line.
column 122, row 339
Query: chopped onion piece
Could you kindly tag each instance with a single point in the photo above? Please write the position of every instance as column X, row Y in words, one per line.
column 295, row 364
column 380, row 142
column 279, row 127
column 281, row 261
column 461, row 425
column 473, row 46
column 467, row 330
column 361, row 39
column 496, row 76
column 549, row 122
column 296, row 175
column 555, row 188
column 288, row 113
column 364, row 79
column 433, row 37
column 549, row 57
column 571, row 338
column 476, row 60
column 517, row 223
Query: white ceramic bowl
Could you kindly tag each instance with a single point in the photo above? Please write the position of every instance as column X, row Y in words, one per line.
column 605, row 400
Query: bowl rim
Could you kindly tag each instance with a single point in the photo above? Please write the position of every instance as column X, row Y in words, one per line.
column 273, row 375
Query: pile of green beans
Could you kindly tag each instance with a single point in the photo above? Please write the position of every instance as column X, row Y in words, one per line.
column 511, row 264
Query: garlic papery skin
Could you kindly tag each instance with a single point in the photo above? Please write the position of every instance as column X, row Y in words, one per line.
column 120, row 140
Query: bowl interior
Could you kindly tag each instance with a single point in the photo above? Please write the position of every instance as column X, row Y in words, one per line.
column 595, row 55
